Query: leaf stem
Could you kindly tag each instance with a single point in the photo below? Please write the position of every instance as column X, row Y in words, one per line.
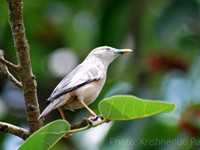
column 89, row 125
column 79, row 129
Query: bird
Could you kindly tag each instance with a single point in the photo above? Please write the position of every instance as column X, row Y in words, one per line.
column 82, row 85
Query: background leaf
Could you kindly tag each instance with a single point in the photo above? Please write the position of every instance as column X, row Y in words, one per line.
column 131, row 107
column 46, row 137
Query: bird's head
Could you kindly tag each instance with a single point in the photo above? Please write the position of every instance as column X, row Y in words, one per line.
column 107, row 54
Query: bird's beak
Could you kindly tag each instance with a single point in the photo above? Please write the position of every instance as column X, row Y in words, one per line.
column 122, row 51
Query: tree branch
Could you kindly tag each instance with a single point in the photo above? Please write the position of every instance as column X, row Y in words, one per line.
column 89, row 122
column 9, row 128
column 24, row 64
column 81, row 124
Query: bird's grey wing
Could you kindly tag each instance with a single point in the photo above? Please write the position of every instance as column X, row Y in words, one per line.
column 80, row 76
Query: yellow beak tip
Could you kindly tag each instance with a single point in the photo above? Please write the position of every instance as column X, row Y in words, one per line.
column 126, row 50
column 122, row 51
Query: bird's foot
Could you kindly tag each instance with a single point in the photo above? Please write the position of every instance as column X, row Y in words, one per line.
column 94, row 119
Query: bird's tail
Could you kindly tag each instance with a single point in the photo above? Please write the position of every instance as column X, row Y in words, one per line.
column 52, row 105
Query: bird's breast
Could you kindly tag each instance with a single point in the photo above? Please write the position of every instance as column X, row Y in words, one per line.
column 89, row 92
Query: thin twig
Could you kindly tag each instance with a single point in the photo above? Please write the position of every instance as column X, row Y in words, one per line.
column 87, row 123
column 12, row 78
column 7, row 63
column 4, row 70
column 80, row 124
column 12, row 129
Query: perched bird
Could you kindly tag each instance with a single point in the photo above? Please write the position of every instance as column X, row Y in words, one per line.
column 83, row 84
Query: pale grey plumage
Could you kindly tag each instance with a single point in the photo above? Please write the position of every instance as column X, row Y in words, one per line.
column 84, row 82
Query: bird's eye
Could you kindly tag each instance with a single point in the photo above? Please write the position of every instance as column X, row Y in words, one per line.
column 108, row 49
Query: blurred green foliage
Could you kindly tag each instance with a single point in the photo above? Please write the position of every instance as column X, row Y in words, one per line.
column 165, row 65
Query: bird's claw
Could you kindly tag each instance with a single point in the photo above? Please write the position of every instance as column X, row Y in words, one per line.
column 94, row 120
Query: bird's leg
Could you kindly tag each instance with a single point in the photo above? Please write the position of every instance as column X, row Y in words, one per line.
column 92, row 113
column 64, row 118
column 62, row 113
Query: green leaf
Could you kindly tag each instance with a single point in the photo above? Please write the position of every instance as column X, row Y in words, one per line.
column 47, row 136
column 130, row 107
